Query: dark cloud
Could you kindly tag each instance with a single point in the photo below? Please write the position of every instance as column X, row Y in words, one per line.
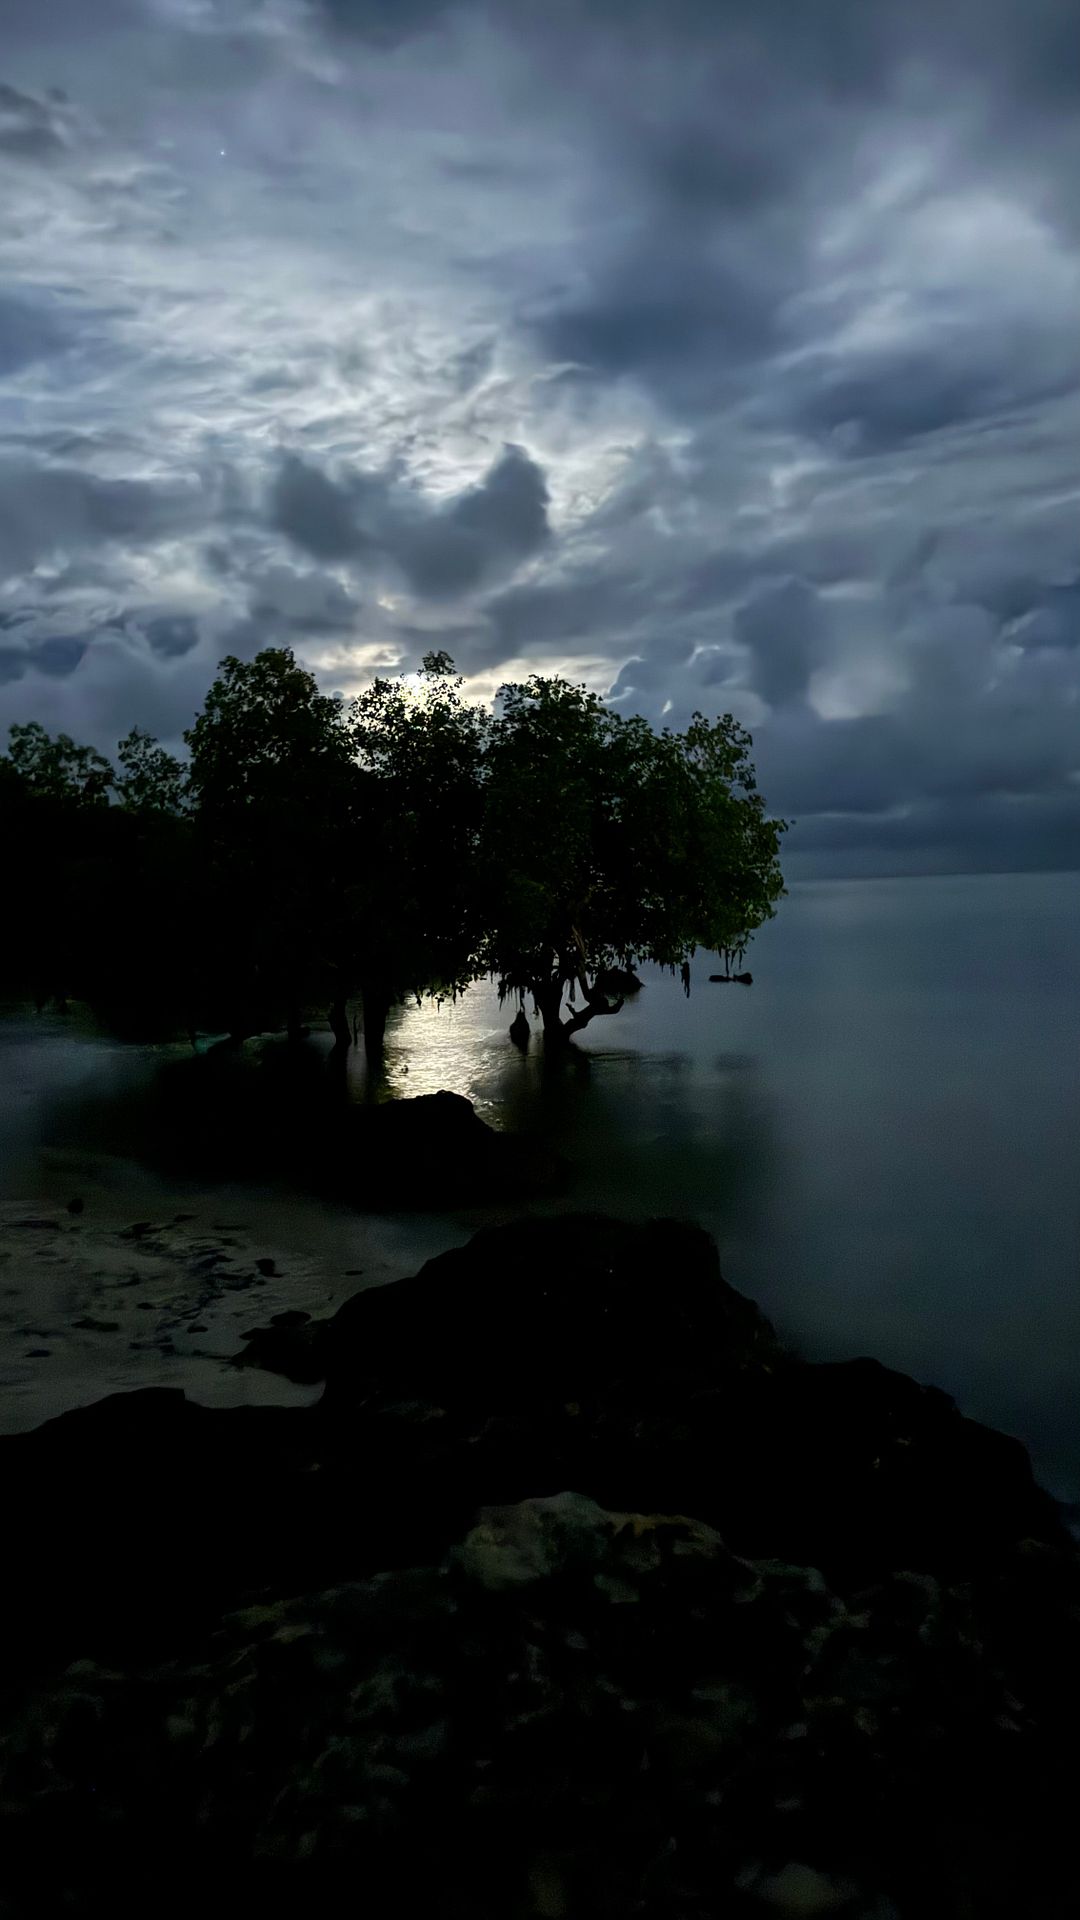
column 32, row 329
column 780, row 627
column 442, row 549
column 1052, row 619
column 757, row 324
column 666, row 314
column 315, row 512
column 309, row 602
column 45, row 509
column 386, row 23
column 59, row 655
column 30, row 128
column 488, row 529
column 172, row 635
column 881, row 402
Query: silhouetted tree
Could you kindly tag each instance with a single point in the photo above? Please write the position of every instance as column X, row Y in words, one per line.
column 420, row 749
column 606, row 843
column 272, row 780
column 56, row 819
column 405, row 846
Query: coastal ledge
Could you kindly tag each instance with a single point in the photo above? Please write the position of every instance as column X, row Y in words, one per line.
column 574, row 1593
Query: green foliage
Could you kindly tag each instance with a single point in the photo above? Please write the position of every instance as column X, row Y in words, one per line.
column 606, row 844
column 57, row 770
column 153, row 781
column 265, row 730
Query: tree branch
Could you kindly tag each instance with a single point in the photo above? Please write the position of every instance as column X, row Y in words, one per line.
column 597, row 1004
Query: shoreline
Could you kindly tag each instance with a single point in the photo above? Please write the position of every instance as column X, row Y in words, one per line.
column 166, row 1307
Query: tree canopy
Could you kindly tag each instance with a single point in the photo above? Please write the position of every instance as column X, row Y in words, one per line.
column 606, row 844
column 309, row 852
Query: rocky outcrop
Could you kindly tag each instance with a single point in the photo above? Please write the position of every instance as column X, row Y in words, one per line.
column 581, row 1351
column 575, row 1711
column 801, row 1639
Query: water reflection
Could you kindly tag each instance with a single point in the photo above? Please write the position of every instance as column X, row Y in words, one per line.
column 883, row 1133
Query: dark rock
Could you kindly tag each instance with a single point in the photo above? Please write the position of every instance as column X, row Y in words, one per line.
column 738, row 979
column 277, row 1114
column 427, row 1151
column 267, row 1267
column 853, row 1675
column 618, row 981
column 89, row 1325
column 293, row 1350
column 139, row 1230
column 200, row 1328
column 39, row 1353
column 207, row 1262
column 575, row 1711
column 683, row 1402
column 551, row 1310
column 76, row 1205
column 291, row 1317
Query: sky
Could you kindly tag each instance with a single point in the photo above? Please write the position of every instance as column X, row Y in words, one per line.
column 723, row 356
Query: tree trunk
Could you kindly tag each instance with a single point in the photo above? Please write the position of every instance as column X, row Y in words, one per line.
column 549, row 1001
column 339, row 1023
column 377, row 1003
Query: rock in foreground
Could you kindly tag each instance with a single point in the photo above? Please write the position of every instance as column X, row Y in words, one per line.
column 802, row 1640
column 576, row 1712
column 580, row 1351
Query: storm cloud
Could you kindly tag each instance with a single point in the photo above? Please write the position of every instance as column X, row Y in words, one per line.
column 722, row 357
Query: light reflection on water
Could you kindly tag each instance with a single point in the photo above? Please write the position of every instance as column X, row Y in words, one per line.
column 883, row 1132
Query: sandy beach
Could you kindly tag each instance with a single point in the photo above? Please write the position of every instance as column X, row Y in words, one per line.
column 148, row 1285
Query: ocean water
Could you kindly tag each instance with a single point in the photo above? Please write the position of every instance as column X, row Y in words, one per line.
column 882, row 1132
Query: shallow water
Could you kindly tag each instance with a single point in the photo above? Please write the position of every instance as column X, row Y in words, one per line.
column 883, row 1133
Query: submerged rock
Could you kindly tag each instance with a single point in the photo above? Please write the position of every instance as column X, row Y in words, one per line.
column 430, row 1150
column 282, row 1112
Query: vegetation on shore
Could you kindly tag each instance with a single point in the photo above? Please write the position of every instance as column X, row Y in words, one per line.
column 309, row 853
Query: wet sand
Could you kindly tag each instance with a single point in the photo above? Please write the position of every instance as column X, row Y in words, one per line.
column 148, row 1284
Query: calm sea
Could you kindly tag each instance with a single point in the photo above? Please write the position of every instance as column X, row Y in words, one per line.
column 883, row 1132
